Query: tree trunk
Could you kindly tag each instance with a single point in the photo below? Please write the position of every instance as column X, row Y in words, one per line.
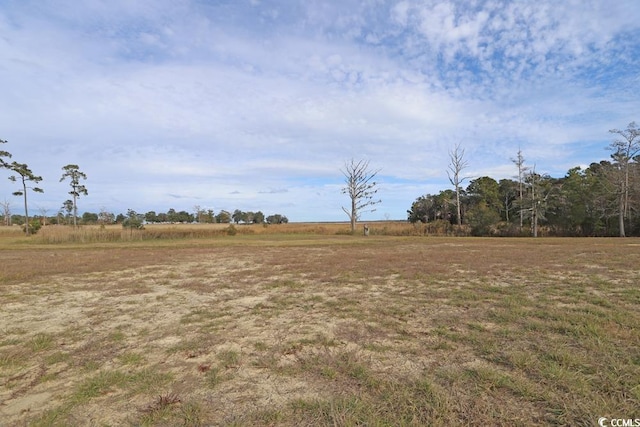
column 75, row 210
column 354, row 215
column 26, row 210
column 459, row 211
column 621, row 216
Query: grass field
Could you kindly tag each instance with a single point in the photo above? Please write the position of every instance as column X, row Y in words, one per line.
column 303, row 328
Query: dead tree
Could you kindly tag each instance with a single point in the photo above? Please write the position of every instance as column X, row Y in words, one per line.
column 361, row 188
column 458, row 163
column 624, row 151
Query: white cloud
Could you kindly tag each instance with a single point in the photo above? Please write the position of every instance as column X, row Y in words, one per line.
column 158, row 99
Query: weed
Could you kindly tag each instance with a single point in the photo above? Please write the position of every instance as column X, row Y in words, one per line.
column 10, row 341
column 229, row 358
column 98, row 385
column 41, row 342
column 132, row 359
column 58, row 357
column 260, row 346
column 117, row 336
column 214, row 377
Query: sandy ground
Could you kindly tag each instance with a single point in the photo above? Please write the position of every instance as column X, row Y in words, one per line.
column 208, row 336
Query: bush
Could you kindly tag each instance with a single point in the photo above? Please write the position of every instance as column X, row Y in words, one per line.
column 34, row 226
column 482, row 220
column 231, row 230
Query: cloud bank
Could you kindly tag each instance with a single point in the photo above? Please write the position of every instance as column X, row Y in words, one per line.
column 257, row 104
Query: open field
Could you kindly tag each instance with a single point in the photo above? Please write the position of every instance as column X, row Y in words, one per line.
column 310, row 329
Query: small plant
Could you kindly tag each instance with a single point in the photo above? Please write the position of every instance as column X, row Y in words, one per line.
column 34, row 226
column 163, row 401
column 131, row 359
column 229, row 358
column 41, row 342
column 117, row 336
column 213, row 376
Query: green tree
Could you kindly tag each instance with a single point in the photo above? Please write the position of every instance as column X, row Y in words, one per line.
column 361, row 188
column 151, row 216
column 277, row 219
column 209, row 216
column 172, row 215
column 133, row 220
column 484, row 190
column 238, row 216
column 5, row 154
column 89, row 218
column 482, row 218
column 67, row 206
column 223, row 217
column 258, row 217
column 484, row 196
column 73, row 173
column 24, row 175
column 444, row 201
column 422, row 210
column 183, row 217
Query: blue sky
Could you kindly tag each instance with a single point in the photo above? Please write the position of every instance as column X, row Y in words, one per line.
column 257, row 104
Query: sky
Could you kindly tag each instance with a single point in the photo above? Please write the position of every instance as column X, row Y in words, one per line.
column 257, row 104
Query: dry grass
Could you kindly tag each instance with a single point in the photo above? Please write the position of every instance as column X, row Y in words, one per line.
column 304, row 329
column 116, row 233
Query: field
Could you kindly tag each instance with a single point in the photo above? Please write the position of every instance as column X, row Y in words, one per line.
column 292, row 328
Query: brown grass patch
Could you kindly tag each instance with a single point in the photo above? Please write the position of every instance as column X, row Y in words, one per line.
column 286, row 330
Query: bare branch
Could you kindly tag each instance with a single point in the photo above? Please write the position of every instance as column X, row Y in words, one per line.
column 458, row 163
column 361, row 188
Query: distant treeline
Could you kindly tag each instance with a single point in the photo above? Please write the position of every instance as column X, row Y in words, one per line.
column 171, row 216
column 585, row 202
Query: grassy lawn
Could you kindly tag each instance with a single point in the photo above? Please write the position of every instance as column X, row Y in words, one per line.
column 301, row 329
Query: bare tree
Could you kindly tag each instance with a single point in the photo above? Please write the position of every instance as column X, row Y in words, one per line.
column 106, row 217
column 74, row 174
column 535, row 203
column 457, row 165
column 624, row 150
column 25, row 174
column 6, row 209
column 361, row 188
column 43, row 215
column 519, row 162
column 6, row 212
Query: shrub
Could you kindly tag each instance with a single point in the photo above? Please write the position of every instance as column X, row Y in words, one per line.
column 34, row 226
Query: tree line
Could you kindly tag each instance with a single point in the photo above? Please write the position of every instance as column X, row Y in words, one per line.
column 205, row 216
column 600, row 200
column 68, row 213
column 66, row 216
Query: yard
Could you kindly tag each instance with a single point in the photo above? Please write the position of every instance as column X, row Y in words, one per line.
column 309, row 329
